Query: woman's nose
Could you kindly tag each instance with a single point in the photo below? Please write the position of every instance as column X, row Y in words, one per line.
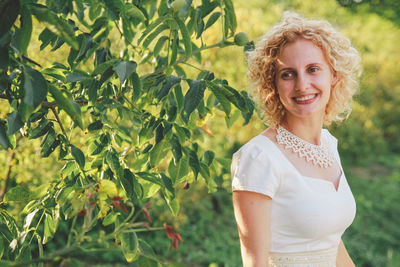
column 302, row 82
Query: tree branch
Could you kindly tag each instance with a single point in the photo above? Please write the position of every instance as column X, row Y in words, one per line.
column 11, row 156
column 31, row 61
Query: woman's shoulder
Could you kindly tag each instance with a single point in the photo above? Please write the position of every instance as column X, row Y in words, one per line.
column 258, row 146
column 331, row 138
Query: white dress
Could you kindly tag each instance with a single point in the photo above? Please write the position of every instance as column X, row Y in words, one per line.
column 308, row 214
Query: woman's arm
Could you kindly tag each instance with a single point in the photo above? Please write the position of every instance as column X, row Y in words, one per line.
column 343, row 258
column 252, row 213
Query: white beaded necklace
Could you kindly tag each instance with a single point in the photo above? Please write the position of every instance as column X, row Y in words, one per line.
column 320, row 156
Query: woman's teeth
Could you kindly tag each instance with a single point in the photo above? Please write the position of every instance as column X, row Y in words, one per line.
column 304, row 98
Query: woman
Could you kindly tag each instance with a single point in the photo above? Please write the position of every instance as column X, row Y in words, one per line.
column 291, row 199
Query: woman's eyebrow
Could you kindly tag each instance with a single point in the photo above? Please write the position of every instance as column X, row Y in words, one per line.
column 285, row 69
column 308, row 65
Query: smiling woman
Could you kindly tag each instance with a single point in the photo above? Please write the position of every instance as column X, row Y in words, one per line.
column 291, row 198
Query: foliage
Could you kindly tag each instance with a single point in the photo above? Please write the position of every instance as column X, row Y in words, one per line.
column 209, row 237
column 125, row 121
column 385, row 8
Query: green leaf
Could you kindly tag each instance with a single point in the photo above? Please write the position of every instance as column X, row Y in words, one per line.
column 170, row 193
column 4, row 142
column 17, row 193
column 137, row 86
column 193, row 97
column 185, row 36
column 1, row 247
column 157, row 153
column 113, row 163
column 133, row 12
column 102, row 67
column 179, row 97
column 92, row 91
column 230, row 16
column 209, row 157
column 174, row 47
column 114, row 8
column 14, row 122
column 10, row 221
column 24, row 111
column 213, row 18
column 207, row 7
column 23, row 35
column 65, row 195
column 97, row 145
column 173, row 205
column 9, row 10
column 49, row 228
column 35, row 87
column 47, row 37
column 127, row 181
column 171, row 82
column 4, row 59
column 124, row 69
column 154, row 34
column 194, row 162
column 78, row 156
column 95, row 9
column 77, row 76
column 182, row 133
column 49, row 144
column 151, row 27
column 24, row 254
column 95, row 126
column 176, row 148
column 67, row 105
column 129, row 245
column 159, row 45
column 235, row 98
column 43, row 127
column 217, row 91
column 127, row 30
column 55, row 24
column 110, row 218
column 55, row 73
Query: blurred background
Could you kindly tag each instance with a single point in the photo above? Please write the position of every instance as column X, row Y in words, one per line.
column 369, row 141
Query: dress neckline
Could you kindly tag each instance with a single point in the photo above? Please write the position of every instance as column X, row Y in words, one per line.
column 305, row 176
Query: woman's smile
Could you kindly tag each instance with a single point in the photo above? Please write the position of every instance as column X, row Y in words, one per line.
column 306, row 99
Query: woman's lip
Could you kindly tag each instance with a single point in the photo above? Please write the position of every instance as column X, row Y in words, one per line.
column 305, row 99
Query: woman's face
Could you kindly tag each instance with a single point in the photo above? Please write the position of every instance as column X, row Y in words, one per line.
column 303, row 79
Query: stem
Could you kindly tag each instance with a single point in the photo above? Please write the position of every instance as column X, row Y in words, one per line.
column 31, row 61
column 222, row 20
column 221, row 43
column 144, row 229
column 39, row 239
column 40, row 220
column 71, row 231
column 193, row 66
column 11, row 156
column 58, row 120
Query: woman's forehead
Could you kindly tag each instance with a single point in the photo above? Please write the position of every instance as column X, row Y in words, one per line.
column 300, row 52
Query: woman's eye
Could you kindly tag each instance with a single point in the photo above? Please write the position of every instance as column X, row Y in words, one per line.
column 313, row 69
column 286, row 75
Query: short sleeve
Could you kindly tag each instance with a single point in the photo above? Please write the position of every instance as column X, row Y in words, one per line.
column 253, row 170
column 333, row 144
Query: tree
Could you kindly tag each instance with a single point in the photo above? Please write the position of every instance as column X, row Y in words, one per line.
column 124, row 120
column 388, row 9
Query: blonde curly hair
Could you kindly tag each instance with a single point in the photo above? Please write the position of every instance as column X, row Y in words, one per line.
column 342, row 57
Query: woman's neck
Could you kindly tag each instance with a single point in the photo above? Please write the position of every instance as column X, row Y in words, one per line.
column 307, row 129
